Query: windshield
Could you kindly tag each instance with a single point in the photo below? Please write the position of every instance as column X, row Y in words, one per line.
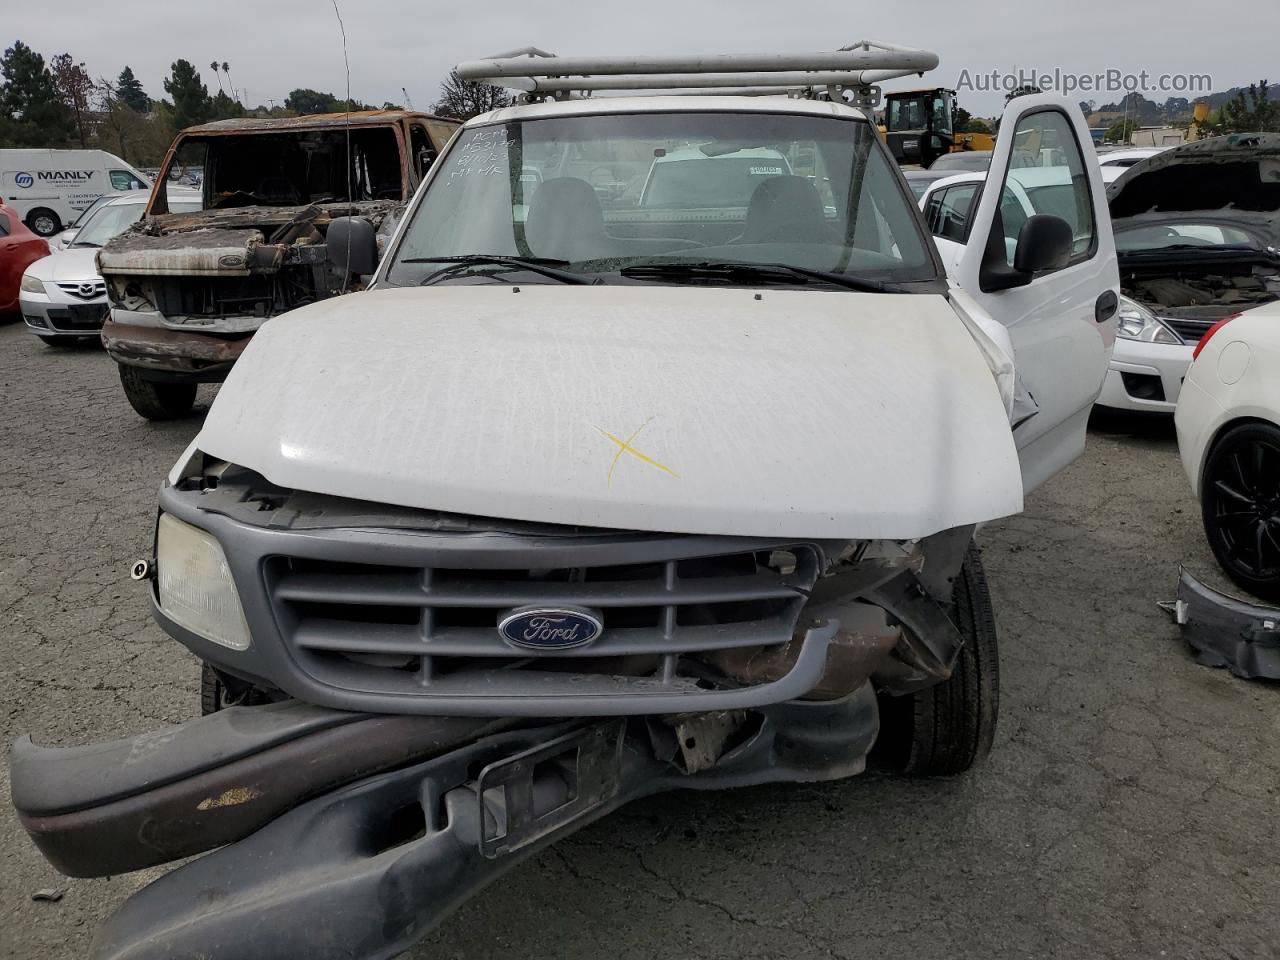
column 113, row 219
column 91, row 209
column 963, row 160
column 1182, row 236
column 602, row 194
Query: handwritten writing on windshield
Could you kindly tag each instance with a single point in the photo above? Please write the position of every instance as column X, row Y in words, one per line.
column 484, row 155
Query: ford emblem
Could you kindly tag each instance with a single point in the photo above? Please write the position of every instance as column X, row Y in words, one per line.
column 550, row 628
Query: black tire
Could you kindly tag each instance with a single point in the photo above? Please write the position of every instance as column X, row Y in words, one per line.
column 157, row 401
column 215, row 694
column 946, row 729
column 43, row 222
column 1240, row 506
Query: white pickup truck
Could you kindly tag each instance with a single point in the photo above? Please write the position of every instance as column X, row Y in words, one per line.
column 605, row 497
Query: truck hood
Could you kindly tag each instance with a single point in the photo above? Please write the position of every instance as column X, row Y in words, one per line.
column 808, row 414
column 236, row 241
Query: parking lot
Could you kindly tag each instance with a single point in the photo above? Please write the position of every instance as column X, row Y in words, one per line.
column 1128, row 808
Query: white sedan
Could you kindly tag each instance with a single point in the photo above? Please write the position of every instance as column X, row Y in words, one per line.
column 1228, row 423
column 63, row 297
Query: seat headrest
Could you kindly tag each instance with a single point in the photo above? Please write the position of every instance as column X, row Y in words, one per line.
column 565, row 220
column 783, row 210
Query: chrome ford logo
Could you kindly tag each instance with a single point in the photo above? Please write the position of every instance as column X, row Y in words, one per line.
column 550, row 628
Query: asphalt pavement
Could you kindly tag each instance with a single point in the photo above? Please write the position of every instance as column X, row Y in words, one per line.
column 1128, row 809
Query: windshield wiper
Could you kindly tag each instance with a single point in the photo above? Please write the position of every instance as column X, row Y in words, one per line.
column 731, row 270
column 546, row 266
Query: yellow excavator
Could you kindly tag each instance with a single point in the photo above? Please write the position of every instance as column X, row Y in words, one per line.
column 919, row 126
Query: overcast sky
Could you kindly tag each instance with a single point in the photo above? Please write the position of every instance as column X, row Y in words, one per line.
column 274, row 46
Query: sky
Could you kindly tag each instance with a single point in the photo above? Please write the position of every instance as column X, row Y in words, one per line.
column 274, row 47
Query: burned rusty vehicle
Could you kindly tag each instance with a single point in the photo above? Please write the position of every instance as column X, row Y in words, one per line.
column 598, row 491
column 188, row 290
column 1198, row 230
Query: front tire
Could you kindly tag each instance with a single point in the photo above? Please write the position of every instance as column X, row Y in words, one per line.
column 157, row 401
column 1240, row 506
column 947, row 728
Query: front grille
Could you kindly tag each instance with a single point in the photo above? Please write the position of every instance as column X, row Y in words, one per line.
column 1189, row 330
column 85, row 291
column 433, row 630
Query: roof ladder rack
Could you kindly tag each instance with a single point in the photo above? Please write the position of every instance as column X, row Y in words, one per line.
column 857, row 68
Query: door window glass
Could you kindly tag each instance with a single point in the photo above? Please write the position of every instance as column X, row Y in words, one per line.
column 947, row 212
column 1054, row 182
column 124, row 180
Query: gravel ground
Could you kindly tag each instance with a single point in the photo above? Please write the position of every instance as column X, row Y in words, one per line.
column 1128, row 809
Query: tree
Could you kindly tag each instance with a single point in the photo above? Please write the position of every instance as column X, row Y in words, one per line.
column 140, row 139
column 1250, row 110
column 965, row 122
column 305, row 100
column 464, row 99
column 31, row 113
column 129, row 91
column 190, row 96
column 73, row 85
column 217, row 76
column 1120, row 131
column 222, row 107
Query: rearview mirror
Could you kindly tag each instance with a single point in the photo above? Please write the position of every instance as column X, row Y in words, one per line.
column 352, row 245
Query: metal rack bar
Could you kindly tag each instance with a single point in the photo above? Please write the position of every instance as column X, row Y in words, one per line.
column 533, row 71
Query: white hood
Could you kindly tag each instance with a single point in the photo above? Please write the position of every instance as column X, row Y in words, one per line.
column 809, row 414
column 76, row 265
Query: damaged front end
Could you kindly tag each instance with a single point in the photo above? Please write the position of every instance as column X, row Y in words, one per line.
column 188, row 290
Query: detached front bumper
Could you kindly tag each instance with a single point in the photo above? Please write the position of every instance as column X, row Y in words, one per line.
column 350, row 836
column 173, row 355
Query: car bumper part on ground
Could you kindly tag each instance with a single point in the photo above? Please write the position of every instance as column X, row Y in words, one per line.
column 47, row 317
column 1227, row 632
column 167, row 354
column 363, row 870
column 1145, row 377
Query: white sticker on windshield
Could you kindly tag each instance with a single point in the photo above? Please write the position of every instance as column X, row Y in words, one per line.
column 766, row 171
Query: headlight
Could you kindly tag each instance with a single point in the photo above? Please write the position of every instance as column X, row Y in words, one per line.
column 1136, row 322
column 31, row 285
column 195, row 585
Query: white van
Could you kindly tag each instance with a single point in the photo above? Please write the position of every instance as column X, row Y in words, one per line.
column 50, row 188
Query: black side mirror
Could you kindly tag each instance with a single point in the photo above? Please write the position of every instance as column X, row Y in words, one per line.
column 1044, row 243
column 352, row 245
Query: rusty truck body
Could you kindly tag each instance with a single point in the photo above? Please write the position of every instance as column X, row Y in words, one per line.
column 188, row 290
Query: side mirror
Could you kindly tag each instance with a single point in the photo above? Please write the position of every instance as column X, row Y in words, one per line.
column 1044, row 243
column 352, row 245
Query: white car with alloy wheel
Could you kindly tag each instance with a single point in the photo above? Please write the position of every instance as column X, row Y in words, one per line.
column 1228, row 422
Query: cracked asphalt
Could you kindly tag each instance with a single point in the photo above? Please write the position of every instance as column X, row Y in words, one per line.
column 1128, row 809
